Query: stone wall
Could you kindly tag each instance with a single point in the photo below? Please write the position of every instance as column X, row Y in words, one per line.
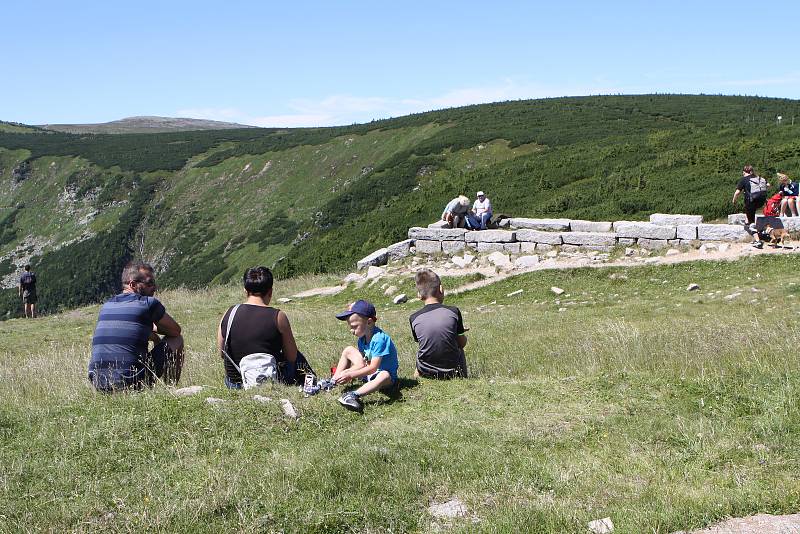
column 526, row 236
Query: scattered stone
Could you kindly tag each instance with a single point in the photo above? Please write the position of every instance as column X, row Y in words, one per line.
column 379, row 257
column 601, row 526
column 188, row 391
column 262, row 399
column 562, row 310
column 391, row 290
column 401, row 298
column 557, row 290
column 513, row 293
column 630, row 251
column 284, row 300
column 617, row 276
column 723, row 247
column 693, row 287
column 737, row 218
column 288, row 409
column 498, row 259
column 439, row 224
column 732, row 295
column 353, row 277
column 525, row 262
column 550, row 253
column 320, row 292
column 761, row 523
column 672, row 252
column 462, row 261
column 448, row 510
column 399, row 250
column 375, row 272
column 214, row 400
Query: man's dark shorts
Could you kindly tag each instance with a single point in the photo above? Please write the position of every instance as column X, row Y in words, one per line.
column 108, row 378
column 29, row 297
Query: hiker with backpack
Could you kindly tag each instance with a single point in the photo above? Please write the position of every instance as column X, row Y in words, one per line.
column 27, row 292
column 789, row 192
column 754, row 188
column 255, row 340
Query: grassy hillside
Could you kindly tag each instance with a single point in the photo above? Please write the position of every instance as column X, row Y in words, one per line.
column 317, row 199
column 626, row 397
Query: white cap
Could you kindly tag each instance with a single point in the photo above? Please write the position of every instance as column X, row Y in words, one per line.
column 481, row 194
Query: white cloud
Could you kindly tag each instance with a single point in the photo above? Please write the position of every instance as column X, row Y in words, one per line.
column 343, row 109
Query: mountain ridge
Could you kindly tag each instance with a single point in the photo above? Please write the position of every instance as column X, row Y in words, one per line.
column 145, row 124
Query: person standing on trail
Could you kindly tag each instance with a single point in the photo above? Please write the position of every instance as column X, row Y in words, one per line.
column 27, row 292
column 755, row 195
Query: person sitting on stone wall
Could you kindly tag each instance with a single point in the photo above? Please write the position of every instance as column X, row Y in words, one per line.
column 455, row 212
column 481, row 213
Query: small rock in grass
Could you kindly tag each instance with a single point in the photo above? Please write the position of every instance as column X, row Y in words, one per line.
column 732, row 295
column 524, row 262
column 630, row 251
column 188, row 391
column 375, row 272
column 693, row 287
column 288, row 409
column 262, row 399
column 448, row 510
column 401, row 298
column 352, row 277
column 673, row 252
column 601, row 526
column 214, row 400
column 391, row 290
column 517, row 292
column 723, row 247
column 557, row 290
column 284, row 300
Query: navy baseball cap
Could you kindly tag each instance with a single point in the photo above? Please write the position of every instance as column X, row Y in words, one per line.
column 362, row 308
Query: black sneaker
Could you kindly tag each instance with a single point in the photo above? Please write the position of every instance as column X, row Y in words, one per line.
column 758, row 244
column 352, row 401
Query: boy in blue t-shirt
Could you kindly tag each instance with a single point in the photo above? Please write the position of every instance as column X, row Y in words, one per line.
column 374, row 361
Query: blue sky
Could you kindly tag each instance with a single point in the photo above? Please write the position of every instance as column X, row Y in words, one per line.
column 323, row 63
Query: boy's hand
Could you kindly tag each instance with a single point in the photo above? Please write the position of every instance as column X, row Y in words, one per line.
column 342, row 377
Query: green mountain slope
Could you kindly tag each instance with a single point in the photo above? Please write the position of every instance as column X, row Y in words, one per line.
column 203, row 205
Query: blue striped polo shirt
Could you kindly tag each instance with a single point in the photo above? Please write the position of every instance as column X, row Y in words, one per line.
column 123, row 328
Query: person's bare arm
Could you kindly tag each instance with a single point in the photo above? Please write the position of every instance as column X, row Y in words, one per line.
column 736, row 195
column 220, row 339
column 462, row 341
column 289, row 344
column 167, row 326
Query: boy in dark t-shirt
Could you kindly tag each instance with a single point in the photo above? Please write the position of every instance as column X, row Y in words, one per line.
column 439, row 330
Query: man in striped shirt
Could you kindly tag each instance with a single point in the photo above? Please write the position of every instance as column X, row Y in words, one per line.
column 120, row 359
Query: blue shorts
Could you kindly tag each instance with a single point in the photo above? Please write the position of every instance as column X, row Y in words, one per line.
column 108, row 377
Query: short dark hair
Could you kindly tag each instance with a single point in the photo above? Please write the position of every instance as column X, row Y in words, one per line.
column 135, row 272
column 257, row 280
column 748, row 169
column 28, row 267
column 428, row 283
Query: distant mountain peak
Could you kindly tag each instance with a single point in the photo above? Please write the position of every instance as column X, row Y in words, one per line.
column 146, row 124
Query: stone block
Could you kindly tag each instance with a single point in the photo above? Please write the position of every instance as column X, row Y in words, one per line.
column 540, row 247
column 626, row 241
column 653, row 244
column 791, row 224
column 490, row 247
column 665, row 219
column 686, row 231
column 524, row 262
column 379, row 257
column 490, row 236
column 400, row 250
column 453, row 247
column 721, row 232
column 511, row 248
column 589, row 238
column 737, row 218
column 589, row 226
column 644, row 230
column 426, row 246
column 541, row 224
column 499, row 259
column 526, row 247
column 688, row 242
column 439, row 224
column 437, row 234
column 583, row 248
column 674, row 242
column 538, row 236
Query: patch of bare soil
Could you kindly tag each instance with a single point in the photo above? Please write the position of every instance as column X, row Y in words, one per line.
column 755, row 524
